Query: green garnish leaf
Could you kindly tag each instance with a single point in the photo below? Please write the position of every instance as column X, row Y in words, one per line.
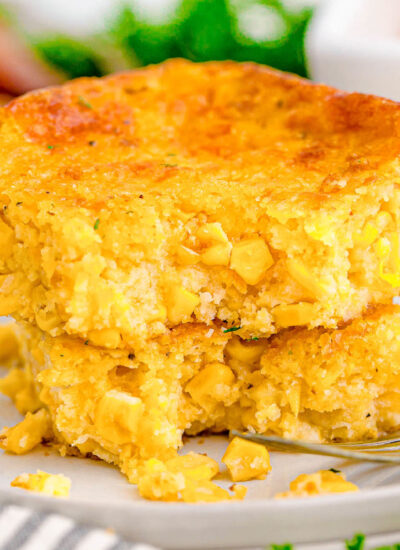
column 50, row 146
column 356, row 543
column 96, row 224
column 232, row 329
column 282, row 547
column 84, row 102
column 70, row 56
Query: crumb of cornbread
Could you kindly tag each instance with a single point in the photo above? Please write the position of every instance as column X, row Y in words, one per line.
column 246, row 460
column 56, row 485
column 27, row 434
column 9, row 345
column 242, row 195
column 319, row 483
column 184, row 478
column 127, row 408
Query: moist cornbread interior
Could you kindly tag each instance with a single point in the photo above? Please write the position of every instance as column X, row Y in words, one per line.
column 319, row 384
column 206, row 193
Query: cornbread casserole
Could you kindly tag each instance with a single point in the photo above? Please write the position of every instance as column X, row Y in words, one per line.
column 315, row 384
column 196, row 193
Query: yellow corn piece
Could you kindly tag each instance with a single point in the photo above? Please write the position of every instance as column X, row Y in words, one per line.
column 187, row 256
column 26, row 435
column 181, row 304
column 109, row 338
column 212, row 232
column 204, row 491
column 389, row 252
column 246, row 460
column 117, row 417
column 246, row 352
column 302, row 275
column 55, row 485
column 194, row 466
column 293, row 314
column 239, row 491
column 319, row 483
column 218, row 254
column 251, row 259
column 156, row 482
column 211, row 385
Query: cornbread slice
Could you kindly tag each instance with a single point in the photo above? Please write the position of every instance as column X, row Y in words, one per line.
column 196, row 193
column 319, row 384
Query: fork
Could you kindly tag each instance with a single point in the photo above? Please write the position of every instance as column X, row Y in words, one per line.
column 385, row 449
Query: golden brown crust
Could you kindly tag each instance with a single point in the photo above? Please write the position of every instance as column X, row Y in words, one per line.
column 224, row 130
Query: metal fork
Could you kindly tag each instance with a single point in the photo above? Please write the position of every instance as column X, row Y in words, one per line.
column 385, row 449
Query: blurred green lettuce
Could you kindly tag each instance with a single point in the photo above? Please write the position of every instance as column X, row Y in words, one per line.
column 200, row 30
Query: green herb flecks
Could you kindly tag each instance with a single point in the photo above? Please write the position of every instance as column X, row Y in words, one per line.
column 252, row 339
column 290, row 352
column 333, row 470
column 50, row 146
column 84, row 102
column 232, row 329
column 86, row 342
column 282, row 547
column 356, row 543
column 96, row 224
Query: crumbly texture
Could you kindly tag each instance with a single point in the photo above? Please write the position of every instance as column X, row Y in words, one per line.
column 196, row 192
column 323, row 482
column 319, row 385
column 55, row 485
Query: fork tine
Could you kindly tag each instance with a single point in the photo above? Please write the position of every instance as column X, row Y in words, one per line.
column 288, row 445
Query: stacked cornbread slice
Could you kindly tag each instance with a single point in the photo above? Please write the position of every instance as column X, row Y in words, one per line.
column 191, row 247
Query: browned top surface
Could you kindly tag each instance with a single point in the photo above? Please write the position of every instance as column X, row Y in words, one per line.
column 203, row 135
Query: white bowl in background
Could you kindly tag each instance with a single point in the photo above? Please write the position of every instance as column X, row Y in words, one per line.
column 354, row 45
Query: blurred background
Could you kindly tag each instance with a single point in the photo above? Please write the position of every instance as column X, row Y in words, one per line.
column 352, row 44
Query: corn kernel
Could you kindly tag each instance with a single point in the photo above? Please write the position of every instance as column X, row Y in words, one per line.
column 246, row 460
column 389, row 252
column 159, row 315
column 218, row 254
column 211, row 385
column 251, row 259
column 181, row 304
column 26, row 435
column 293, row 314
column 367, row 236
column 212, row 232
column 117, row 417
column 246, row 352
column 187, row 256
column 156, row 482
column 55, row 485
column 239, row 491
column 109, row 338
column 194, row 466
column 302, row 275
column 205, row 491
column 319, row 483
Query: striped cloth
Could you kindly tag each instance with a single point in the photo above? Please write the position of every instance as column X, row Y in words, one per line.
column 25, row 529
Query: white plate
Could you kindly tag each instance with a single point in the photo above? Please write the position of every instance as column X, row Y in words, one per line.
column 101, row 496
column 354, row 45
